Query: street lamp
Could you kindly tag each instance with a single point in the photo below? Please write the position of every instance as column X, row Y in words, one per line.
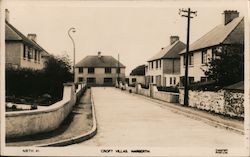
column 72, row 29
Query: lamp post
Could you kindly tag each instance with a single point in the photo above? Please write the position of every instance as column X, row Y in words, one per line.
column 72, row 29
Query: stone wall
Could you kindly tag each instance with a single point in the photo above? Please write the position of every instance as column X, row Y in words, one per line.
column 222, row 102
column 23, row 123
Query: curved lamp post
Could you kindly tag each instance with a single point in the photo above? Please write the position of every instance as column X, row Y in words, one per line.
column 72, row 29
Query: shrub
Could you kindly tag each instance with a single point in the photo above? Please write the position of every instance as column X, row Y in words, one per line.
column 173, row 89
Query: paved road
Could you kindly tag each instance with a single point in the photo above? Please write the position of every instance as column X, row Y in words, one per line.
column 129, row 120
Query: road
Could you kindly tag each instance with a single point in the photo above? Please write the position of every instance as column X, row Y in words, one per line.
column 126, row 119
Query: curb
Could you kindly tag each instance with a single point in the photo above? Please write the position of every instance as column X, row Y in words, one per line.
column 80, row 138
column 192, row 115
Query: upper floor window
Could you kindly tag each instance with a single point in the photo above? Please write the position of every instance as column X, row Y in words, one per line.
column 80, row 70
column 107, row 70
column 160, row 63
column 191, row 59
column 152, row 64
column 204, row 57
column 156, row 64
column 24, row 51
column 118, row 70
column 91, row 70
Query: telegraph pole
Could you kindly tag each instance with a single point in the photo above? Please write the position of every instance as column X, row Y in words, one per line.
column 188, row 14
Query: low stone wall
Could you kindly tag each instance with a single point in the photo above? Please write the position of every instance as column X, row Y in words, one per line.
column 154, row 93
column 167, row 96
column 222, row 102
column 23, row 123
column 144, row 92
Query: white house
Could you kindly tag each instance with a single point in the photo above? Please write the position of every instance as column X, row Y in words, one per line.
column 163, row 69
column 229, row 33
column 99, row 70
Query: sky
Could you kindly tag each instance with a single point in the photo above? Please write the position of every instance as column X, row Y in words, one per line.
column 137, row 30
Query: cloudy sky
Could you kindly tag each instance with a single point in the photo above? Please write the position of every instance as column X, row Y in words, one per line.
column 134, row 29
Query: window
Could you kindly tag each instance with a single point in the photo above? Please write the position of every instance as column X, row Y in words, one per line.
column 170, row 80
column 91, row 70
column 24, row 51
column 91, row 80
column 156, row 64
column 152, row 79
column 152, row 65
column 204, row 57
column 164, row 81
column 191, row 59
column 107, row 80
column 174, row 80
column 160, row 63
column 80, row 70
column 80, row 79
column 118, row 70
column 107, row 70
column 203, row 79
column 191, row 80
column 133, row 80
column 35, row 55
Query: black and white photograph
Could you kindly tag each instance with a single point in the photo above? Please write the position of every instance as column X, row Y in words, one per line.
column 124, row 78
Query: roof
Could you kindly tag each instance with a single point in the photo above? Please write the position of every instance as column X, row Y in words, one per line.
column 138, row 71
column 237, row 86
column 99, row 62
column 12, row 34
column 220, row 35
column 170, row 51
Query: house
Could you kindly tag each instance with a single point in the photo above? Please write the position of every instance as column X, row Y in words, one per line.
column 163, row 69
column 137, row 75
column 99, row 70
column 22, row 51
column 228, row 34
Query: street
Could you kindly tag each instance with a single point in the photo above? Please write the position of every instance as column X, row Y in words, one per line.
column 125, row 119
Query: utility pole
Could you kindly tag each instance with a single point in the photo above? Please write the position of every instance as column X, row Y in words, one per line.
column 188, row 14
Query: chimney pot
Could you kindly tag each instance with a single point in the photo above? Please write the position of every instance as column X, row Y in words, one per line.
column 173, row 39
column 230, row 15
column 7, row 15
column 32, row 37
column 99, row 54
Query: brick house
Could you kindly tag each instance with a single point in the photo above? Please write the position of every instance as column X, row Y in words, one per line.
column 163, row 69
column 99, row 70
column 22, row 51
column 228, row 34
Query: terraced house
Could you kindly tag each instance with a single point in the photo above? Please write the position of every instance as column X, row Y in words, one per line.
column 163, row 69
column 229, row 34
column 99, row 70
column 22, row 51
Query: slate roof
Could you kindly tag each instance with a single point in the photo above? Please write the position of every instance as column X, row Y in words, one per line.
column 99, row 62
column 237, row 86
column 170, row 51
column 220, row 35
column 12, row 34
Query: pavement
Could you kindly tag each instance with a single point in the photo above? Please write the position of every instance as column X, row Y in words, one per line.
column 126, row 119
column 77, row 126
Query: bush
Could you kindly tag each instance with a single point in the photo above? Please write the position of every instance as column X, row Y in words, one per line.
column 30, row 84
column 173, row 89
column 205, row 86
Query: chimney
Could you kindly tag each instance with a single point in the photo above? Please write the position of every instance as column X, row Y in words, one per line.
column 173, row 39
column 229, row 15
column 32, row 37
column 99, row 54
column 7, row 15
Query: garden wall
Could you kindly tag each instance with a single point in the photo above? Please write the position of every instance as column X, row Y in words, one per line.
column 223, row 102
column 22, row 123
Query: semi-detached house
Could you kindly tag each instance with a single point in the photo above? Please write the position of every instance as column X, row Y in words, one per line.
column 22, row 51
column 99, row 70
column 163, row 69
column 228, row 34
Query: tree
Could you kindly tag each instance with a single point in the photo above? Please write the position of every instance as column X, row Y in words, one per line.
column 228, row 66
